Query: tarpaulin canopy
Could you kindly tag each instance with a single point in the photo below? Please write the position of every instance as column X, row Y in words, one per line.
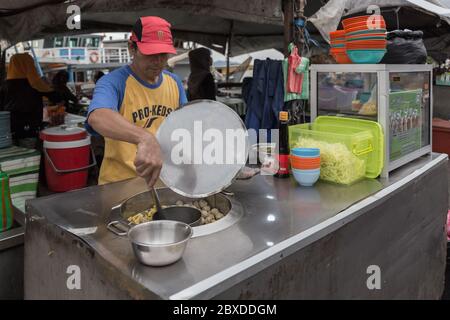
column 252, row 24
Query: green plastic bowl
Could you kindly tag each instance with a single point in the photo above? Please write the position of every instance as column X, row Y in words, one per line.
column 366, row 56
column 368, row 32
column 366, row 38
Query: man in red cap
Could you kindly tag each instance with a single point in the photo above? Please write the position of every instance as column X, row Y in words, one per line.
column 130, row 103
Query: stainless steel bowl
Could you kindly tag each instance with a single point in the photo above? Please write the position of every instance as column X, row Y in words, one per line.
column 159, row 243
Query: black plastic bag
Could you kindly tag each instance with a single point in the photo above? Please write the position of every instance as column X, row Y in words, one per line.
column 405, row 47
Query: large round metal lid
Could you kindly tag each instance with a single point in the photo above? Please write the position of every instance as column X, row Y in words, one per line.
column 63, row 133
column 204, row 145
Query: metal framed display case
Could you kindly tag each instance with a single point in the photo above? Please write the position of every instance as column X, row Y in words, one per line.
column 399, row 97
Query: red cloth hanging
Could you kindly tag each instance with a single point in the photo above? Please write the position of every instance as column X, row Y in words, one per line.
column 295, row 80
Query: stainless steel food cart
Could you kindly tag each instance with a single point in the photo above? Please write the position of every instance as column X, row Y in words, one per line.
column 287, row 242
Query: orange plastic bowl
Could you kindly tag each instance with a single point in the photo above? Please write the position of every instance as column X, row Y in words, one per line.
column 305, row 167
column 363, row 28
column 302, row 163
column 348, row 21
column 378, row 23
column 366, row 46
column 367, row 42
column 363, row 36
column 304, row 160
column 341, row 57
column 337, row 34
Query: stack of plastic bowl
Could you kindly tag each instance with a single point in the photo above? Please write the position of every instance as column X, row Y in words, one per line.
column 305, row 164
column 5, row 130
column 365, row 38
column 338, row 49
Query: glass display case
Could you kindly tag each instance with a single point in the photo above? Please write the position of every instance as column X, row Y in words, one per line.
column 399, row 97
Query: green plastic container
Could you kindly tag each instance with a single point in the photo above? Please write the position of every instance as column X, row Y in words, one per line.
column 375, row 161
column 362, row 138
column 6, row 210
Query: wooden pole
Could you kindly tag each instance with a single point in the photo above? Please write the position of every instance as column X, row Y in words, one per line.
column 288, row 9
column 230, row 37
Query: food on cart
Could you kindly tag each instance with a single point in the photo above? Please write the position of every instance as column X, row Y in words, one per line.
column 368, row 109
column 142, row 217
column 356, row 105
column 209, row 214
column 338, row 163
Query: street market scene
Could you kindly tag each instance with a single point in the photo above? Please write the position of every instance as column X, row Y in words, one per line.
column 238, row 150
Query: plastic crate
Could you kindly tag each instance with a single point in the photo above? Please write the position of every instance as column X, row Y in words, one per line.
column 353, row 143
column 22, row 166
column 336, row 98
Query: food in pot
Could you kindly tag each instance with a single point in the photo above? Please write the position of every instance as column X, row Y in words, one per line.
column 142, row 217
column 209, row 214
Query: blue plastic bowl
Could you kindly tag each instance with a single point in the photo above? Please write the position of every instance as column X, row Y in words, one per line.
column 306, row 178
column 366, row 56
column 306, row 152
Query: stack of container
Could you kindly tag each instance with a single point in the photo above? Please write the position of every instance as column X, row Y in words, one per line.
column 338, row 48
column 5, row 129
column 365, row 38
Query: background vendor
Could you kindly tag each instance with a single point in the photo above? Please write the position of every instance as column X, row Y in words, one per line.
column 24, row 90
column 130, row 103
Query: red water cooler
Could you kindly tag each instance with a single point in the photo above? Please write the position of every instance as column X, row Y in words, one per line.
column 67, row 152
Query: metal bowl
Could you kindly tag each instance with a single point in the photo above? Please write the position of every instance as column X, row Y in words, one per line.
column 159, row 243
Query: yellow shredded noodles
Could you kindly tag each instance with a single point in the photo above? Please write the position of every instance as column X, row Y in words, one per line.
column 338, row 163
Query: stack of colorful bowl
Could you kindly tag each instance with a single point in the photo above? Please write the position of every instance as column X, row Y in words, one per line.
column 365, row 38
column 338, row 49
column 305, row 164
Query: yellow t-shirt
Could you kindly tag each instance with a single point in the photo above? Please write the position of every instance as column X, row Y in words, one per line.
column 143, row 104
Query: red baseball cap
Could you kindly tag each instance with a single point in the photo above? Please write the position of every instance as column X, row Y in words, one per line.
column 153, row 36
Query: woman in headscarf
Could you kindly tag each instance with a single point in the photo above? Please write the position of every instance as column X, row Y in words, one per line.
column 201, row 82
column 24, row 90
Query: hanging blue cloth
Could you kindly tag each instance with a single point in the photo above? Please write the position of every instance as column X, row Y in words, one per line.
column 266, row 96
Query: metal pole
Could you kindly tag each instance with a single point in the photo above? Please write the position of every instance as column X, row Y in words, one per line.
column 230, row 35
column 288, row 8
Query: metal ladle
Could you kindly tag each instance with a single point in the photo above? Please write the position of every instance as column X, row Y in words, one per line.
column 159, row 214
column 188, row 215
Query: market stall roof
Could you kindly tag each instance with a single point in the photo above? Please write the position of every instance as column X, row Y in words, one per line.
column 253, row 24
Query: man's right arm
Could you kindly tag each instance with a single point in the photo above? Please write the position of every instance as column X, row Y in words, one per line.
column 112, row 125
column 105, row 119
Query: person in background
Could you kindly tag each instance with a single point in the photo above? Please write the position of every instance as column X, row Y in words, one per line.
column 201, row 82
column 98, row 75
column 130, row 103
column 60, row 86
column 23, row 94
